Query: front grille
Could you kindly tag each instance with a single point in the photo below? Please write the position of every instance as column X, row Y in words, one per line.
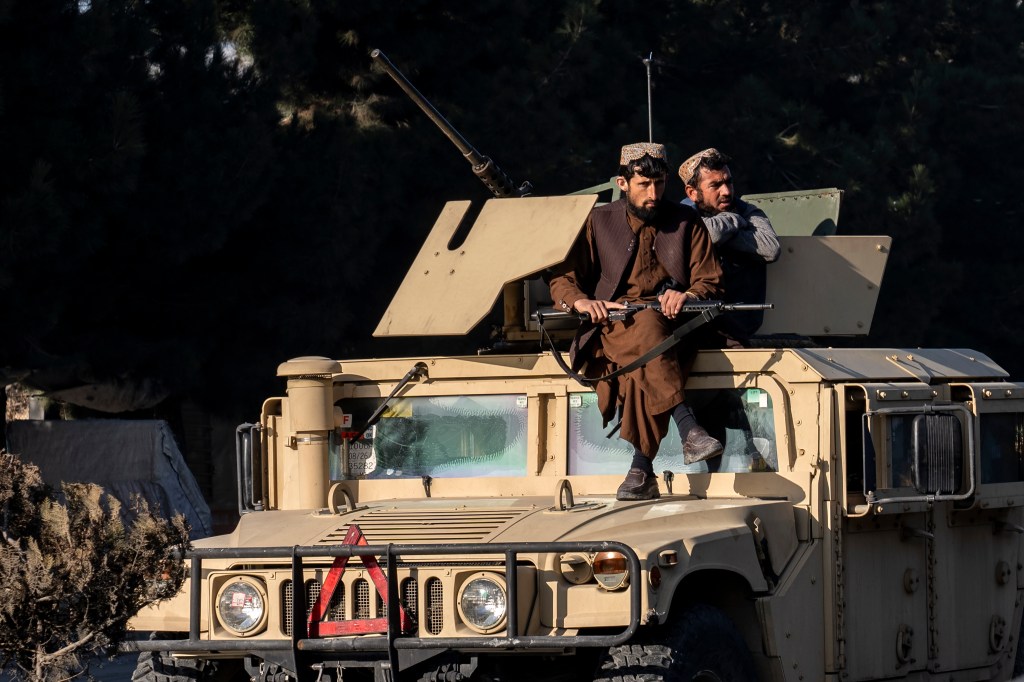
column 361, row 592
column 288, row 607
column 336, row 609
column 361, row 600
column 434, row 605
column 410, row 592
column 312, row 594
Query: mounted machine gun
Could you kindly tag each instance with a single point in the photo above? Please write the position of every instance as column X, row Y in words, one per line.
column 497, row 180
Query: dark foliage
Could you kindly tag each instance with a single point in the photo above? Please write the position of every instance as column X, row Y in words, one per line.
column 192, row 192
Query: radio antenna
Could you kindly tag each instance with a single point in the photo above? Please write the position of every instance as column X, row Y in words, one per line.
column 650, row 116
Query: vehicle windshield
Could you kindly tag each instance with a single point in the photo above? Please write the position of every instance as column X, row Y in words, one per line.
column 486, row 435
column 741, row 418
column 437, row 436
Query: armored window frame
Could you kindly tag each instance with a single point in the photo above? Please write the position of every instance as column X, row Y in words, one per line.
column 902, row 448
column 992, row 403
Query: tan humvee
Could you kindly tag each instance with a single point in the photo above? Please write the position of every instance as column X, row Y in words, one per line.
column 863, row 523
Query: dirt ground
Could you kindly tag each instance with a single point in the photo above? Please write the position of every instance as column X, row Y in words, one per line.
column 118, row 670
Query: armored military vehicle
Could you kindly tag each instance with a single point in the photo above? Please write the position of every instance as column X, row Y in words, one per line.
column 454, row 518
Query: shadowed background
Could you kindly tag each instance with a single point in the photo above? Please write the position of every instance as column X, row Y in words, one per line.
column 192, row 192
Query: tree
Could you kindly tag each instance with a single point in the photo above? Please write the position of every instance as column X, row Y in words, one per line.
column 72, row 573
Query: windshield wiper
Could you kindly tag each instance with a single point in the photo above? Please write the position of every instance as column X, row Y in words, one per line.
column 418, row 370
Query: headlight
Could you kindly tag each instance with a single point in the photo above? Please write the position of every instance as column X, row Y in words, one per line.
column 576, row 568
column 241, row 606
column 611, row 570
column 482, row 603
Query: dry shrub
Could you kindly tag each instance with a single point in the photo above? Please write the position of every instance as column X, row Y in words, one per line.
column 72, row 574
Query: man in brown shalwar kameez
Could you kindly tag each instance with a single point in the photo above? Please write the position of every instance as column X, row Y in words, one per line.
column 640, row 249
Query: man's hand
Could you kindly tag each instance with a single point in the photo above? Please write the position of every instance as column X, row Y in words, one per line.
column 598, row 310
column 672, row 302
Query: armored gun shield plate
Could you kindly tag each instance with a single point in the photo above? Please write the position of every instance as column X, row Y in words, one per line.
column 449, row 291
column 802, row 213
column 825, row 286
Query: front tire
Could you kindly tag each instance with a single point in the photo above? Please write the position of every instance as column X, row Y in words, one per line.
column 160, row 666
column 702, row 646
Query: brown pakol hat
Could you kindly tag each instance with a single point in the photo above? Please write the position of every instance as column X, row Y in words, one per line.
column 636, row 151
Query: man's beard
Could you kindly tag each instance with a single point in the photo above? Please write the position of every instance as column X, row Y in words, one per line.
column 703, row 207
column 642, row 212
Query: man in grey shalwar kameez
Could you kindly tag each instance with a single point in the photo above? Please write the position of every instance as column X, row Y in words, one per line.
column 742, row 234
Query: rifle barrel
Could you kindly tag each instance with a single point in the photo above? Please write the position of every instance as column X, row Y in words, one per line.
column 433, row 114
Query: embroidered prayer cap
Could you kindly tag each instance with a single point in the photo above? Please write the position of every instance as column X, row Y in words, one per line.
column 635, row 152
column 690, row 166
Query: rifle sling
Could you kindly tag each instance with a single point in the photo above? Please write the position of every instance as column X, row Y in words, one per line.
column 700, row 320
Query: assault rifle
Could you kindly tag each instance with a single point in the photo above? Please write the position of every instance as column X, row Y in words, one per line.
column 705, row 312
column 496, row 179
column 707, row 309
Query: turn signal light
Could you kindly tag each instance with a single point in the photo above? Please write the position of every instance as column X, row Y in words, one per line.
column 611, row 569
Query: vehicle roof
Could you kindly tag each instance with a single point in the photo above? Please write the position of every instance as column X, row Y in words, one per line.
column 794, row 364
column 869, row 364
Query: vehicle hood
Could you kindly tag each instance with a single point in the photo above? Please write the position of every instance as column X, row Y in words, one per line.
column 682, row 523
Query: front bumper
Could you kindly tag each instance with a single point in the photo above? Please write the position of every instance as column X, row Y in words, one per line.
column 300, row 653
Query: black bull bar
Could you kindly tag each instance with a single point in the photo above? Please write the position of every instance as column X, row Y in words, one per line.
column 301, row 649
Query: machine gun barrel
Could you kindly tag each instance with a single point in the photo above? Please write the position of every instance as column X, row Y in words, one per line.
column 483, row 167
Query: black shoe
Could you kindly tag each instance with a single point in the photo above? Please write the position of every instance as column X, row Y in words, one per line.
column 639, row 485
column 700, row 445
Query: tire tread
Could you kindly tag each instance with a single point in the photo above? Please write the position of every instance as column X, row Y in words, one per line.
column 703, row 639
